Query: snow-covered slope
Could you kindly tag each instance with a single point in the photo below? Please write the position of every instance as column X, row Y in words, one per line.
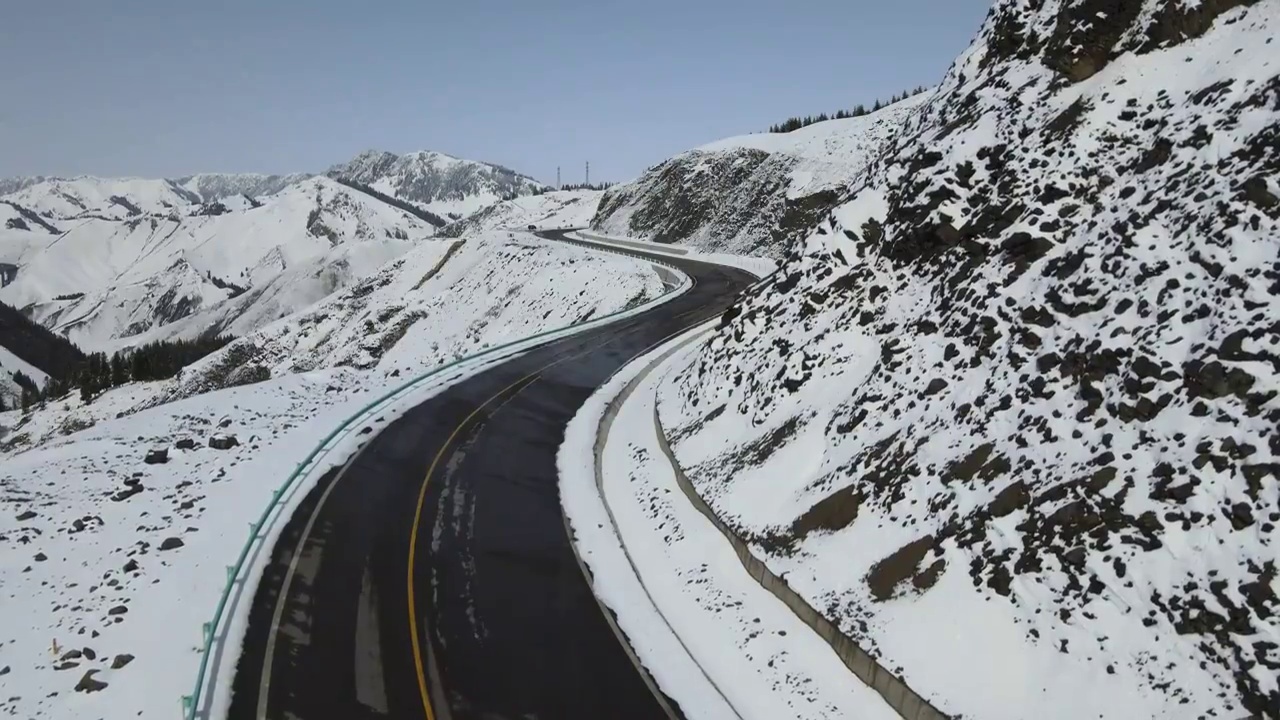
column 10, row 391
column 434, row 304
column 94, row 197
column 104, row 552
column 1008, row 415
column 211, row 187
column 557, row 209
column 103, row 280
column 450, row 187
column 754, row 194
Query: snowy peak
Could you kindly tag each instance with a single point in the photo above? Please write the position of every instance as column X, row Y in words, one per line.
column 441, row 184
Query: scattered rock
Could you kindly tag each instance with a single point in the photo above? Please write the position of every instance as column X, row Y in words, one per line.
column 171, row 543
column 131, row 566
column 88, row 684
column 72, row 655
column 89, row 654
column 41, row 557
column 121, row 660
column 128, row 492
column 118, row 610
column 27, row 515
column 185, row 443
column 156, row 456
column 223, row 441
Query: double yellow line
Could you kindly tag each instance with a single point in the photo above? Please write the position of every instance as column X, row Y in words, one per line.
column 529, row 379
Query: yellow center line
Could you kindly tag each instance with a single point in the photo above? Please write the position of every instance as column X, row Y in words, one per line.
column 422, row 494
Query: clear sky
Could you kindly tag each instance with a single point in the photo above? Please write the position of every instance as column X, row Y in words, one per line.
column 172, row 87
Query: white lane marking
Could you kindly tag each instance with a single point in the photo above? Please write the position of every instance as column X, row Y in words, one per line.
column 264, row 687
column 371, row 684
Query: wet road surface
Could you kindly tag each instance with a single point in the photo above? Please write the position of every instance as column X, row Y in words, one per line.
column 436, row 578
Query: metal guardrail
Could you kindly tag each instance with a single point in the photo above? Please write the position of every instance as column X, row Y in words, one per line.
column 209, row 629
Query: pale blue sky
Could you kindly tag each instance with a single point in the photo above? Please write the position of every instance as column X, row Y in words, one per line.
column 173, row 87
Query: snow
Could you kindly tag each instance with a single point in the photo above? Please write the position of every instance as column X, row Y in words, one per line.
column 758, row 266
column 120, row 278
column 556, row 209
column 87, row 196
column 65, row 462
column 712, row 637
column 752, row 194
column 448, row 186
column 1036, row 345
column 825, row 154
column 10, row 391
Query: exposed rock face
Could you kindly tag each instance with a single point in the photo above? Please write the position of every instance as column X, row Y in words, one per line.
column 756, row 194
column 1042, row 333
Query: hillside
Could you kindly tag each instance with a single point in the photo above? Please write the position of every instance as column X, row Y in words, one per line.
column 1007, row 414
column 447, row 186
column 190, row 269
column 754, row 194
column 211, row 187
column 102, row 198
column 556, row 209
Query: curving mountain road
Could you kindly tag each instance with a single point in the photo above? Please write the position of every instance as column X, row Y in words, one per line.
column 433, row 575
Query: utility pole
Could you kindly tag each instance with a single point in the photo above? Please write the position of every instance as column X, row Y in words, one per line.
column 558, row 185
column 588, row 172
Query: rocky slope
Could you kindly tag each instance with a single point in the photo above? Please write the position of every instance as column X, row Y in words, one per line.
column 1008, row 414
column 750, row 195
column 447, row 186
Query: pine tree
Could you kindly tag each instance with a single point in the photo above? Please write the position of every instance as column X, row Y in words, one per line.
column 119, row 373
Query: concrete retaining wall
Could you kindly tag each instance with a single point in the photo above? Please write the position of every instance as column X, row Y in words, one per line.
column 905, row 701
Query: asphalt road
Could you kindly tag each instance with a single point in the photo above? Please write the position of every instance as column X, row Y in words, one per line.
column 436, row 578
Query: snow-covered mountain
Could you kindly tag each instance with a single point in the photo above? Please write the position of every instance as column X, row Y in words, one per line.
column 211, row 187
column 198, row 267
column 93, row 197
column 447, row 186
column 556, row 209
column 754, row 194
column 1008, row 415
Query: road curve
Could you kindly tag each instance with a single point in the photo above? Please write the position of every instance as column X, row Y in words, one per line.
column 432, row 577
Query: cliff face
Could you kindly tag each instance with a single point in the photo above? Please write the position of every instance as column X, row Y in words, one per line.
column 1024, row 377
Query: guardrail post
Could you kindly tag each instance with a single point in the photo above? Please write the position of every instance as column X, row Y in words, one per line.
column 188, row 704
column 207, row 630
column 231, row 573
